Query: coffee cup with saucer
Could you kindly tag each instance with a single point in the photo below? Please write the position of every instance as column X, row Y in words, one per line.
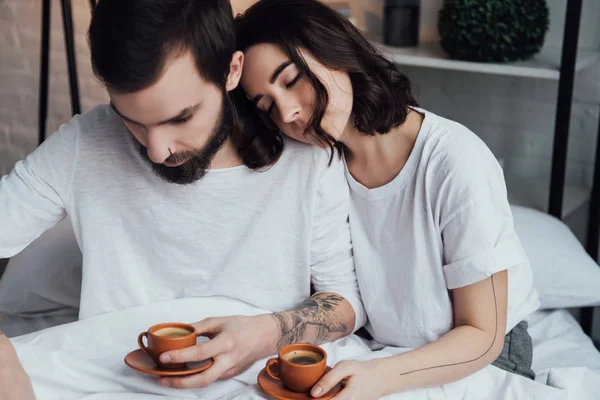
column 161, row 338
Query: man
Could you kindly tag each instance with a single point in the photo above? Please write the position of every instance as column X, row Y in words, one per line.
column 172, row 195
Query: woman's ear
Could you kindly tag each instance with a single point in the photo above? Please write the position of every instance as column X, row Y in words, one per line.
column 235, row 71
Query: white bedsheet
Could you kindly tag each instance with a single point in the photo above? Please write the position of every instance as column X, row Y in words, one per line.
column 84, row 360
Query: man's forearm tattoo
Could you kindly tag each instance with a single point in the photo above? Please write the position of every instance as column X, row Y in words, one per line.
column 321, row 312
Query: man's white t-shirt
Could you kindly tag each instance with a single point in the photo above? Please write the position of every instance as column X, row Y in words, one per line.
column 444, row 222
column 260, row 237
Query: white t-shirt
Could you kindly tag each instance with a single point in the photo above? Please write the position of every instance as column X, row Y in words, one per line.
column 443, row 223
column 261, row 237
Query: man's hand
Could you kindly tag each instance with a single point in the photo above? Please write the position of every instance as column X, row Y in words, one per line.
column 14, row 382
column 236, row 343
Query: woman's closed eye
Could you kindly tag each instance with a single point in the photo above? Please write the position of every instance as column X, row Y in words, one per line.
column 294, row 81
column 290, row 85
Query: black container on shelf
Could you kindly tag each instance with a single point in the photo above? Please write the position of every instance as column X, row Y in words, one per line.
column 401, row 22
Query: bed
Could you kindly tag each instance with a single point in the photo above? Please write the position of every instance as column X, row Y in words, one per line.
column 84, row 359
column 54, row 346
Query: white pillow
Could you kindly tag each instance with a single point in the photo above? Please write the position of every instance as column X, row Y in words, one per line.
column 563, row 273
column 45, row 278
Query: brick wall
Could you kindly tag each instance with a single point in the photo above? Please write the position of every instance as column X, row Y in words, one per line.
column 20, row 32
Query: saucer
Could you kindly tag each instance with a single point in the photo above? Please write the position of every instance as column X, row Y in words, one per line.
column 142, row 362
column 278, row 390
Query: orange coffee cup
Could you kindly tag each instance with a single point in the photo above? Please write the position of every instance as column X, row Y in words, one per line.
column 166, row 337
column 300, row 366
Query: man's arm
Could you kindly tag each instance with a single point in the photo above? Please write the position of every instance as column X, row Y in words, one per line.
column 237, row 342
column 14, row 382
column 323, row 318
column 34, row 194
column 335, row 311
column 32, row 199
column 337, row 308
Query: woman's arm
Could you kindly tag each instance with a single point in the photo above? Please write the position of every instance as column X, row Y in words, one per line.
column 476, row 341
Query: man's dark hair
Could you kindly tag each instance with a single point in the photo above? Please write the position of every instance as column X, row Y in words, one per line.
column 382, row 94
column 130, row 41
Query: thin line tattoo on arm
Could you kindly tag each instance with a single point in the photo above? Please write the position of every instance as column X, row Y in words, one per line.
column 475, row 359
column 319, row 311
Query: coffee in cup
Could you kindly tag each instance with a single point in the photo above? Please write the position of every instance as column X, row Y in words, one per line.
column 166, row 337
column 172, row 332
column 303, row 357
column 300, row 366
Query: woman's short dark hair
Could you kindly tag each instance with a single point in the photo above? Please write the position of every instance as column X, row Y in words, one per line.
column 382, row 94
column 130, row 41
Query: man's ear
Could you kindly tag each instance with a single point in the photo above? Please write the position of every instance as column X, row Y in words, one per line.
column 235, row 70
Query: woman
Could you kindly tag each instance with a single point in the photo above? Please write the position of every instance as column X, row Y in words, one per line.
column 440, row 267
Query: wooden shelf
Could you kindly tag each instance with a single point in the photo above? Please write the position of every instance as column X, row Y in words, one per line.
column 544, row 65
column 534, row 193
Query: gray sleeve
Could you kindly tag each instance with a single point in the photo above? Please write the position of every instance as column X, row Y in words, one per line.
column 332, row 261
column 34, row 195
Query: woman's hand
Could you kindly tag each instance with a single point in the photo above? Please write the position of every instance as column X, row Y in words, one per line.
column 364, row 380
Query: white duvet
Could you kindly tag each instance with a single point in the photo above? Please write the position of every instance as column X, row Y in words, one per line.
column 84, row 360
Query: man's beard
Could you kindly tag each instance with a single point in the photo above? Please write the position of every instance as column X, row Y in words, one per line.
column 198, row 161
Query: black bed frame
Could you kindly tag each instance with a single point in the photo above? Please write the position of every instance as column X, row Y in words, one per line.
column 561, row 130
column 561, row 140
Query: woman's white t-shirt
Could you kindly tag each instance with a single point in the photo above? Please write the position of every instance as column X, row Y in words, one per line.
column 443, row 223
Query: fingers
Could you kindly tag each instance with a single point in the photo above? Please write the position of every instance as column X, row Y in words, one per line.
column 200, row 380
column 199, row 352
column 332, row 378
column 235, row 371
column 347, row 394
column 208, row 326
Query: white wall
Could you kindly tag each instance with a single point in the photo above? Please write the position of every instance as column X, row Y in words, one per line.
column 514, row 116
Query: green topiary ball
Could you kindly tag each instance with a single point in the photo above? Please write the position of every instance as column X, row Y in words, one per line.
column 493, row 30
